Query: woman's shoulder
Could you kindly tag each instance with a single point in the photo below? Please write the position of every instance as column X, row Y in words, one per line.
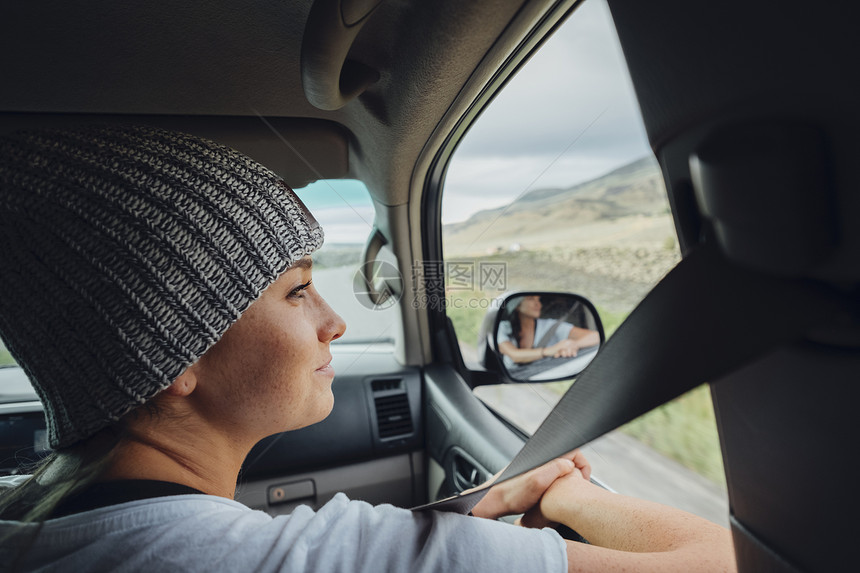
column 197, row 532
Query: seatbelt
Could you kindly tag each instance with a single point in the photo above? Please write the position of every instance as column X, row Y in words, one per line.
column 548, row 334
column 706, row 318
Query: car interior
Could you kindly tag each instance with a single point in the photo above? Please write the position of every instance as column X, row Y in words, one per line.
column 749, row 109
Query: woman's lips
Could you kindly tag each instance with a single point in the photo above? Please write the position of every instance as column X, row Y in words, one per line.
column 326, row 369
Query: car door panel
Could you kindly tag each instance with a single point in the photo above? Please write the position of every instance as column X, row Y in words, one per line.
column 462, row 435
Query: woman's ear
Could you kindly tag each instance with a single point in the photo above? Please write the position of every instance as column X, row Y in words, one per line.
column 185, row 383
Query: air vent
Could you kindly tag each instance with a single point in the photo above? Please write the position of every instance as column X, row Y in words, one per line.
column 386, row 384
column 393, row 416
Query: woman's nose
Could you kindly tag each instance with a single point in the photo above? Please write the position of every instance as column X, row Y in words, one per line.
column 332, row 326
column 340, row 326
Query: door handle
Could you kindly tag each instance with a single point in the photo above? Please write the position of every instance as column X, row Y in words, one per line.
column 467, row 473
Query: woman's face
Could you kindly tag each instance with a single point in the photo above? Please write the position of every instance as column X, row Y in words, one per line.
column 270, row 372
column 530, row 307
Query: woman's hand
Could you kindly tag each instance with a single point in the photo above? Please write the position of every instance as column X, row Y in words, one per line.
column 567, row 348
column 523, row 493
column 563, row 491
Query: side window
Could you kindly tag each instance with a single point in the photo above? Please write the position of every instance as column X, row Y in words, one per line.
column 555, row 188
column 344, row 209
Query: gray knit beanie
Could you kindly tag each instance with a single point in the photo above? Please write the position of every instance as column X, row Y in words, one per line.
column 125, row 253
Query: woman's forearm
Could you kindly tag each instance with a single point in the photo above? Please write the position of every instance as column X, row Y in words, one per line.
column 584, row 337
column 628, row 524
column 522, row 355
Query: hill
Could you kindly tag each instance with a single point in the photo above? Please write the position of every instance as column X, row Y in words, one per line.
column 625, row 205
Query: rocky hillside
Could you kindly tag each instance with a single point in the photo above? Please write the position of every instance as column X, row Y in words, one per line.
column 582, row 215
column 610, row 239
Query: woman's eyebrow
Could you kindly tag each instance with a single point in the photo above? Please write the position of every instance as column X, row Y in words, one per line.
column 303, row 263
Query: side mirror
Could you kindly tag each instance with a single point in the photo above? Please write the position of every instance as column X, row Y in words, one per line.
column 540, row 336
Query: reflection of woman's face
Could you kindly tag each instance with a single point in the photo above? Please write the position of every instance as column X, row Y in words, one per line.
column 530, row 307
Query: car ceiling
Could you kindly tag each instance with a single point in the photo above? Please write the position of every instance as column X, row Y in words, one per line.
column 234, row 61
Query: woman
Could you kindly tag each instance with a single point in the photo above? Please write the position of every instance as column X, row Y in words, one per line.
column 157, row 289
column 527, row 337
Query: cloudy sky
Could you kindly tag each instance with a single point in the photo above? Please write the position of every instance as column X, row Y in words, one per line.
column 569, row 115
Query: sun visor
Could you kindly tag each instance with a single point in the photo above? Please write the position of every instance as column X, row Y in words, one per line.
column 299, row 150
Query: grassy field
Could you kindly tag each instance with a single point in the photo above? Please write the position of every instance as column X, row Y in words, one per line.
column 611, row 320
column 684, row 430
column 5, row 357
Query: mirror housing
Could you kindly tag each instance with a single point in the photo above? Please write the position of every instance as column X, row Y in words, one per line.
column 535, row 336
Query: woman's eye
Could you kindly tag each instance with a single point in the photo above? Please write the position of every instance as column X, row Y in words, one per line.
column 299, row 291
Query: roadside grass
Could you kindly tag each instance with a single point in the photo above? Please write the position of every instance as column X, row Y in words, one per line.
column 466, row 309
column 686, row 431
column 5, row 357
column 683, row 429
column 611, row 320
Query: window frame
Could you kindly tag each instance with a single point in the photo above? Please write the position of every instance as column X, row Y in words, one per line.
column 444, row 343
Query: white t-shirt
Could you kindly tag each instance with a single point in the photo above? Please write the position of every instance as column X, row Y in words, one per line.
column 506, row 334
column 208, row 533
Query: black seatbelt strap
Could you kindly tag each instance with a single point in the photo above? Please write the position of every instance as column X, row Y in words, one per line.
column 706, row 318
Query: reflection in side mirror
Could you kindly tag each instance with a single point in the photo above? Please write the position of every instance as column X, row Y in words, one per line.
column 540, row 336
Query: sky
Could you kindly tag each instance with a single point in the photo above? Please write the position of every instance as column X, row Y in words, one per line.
column 343, row 208
column 568, row 116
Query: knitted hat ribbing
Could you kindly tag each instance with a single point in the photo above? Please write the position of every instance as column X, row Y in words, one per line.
column 125, row 253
